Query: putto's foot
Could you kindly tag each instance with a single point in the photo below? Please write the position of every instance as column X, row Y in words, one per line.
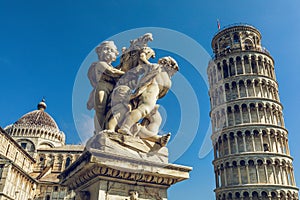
column 124, row 131
column 109, row 131
column 163, row 141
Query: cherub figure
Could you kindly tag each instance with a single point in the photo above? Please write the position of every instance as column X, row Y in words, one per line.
column 149, row 127
column 103, row 77
column 120, row 106
column 153, row 85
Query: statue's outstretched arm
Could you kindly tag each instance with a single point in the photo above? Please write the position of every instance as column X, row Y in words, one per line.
column 104, row 68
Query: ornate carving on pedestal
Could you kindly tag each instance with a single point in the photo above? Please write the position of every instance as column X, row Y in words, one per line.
column 130, row 170
column 134, row 195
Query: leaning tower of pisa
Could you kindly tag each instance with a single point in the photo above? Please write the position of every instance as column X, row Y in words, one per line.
column 252, row 160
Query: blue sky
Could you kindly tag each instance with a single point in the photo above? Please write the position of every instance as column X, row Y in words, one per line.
column 43, row 44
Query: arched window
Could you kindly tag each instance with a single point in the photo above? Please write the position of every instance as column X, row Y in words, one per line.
column 236, row 39
column 68, row 162
column 248, row 44
column 47, row 197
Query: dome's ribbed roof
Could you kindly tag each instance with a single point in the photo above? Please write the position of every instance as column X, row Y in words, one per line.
column 38, row 118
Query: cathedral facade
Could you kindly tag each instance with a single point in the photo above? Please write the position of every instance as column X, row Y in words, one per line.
column 32, row 155
column 252, row 159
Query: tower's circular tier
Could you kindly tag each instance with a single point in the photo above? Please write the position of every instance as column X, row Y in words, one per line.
column 248, row 139
column 244, row 87
column 250, row 111
column 257, row 192
column 246, row 63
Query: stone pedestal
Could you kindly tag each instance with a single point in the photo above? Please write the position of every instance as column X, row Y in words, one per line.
column 113, row 173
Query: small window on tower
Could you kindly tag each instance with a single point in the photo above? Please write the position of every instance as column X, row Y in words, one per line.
column 23, row 145
column 55, row 188
column 266, row 147
column 236, row 39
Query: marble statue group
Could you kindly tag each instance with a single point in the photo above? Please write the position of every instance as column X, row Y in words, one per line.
column 125, row 97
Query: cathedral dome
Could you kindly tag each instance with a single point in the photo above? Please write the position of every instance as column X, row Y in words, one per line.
column 37, row 124
column 37, row 118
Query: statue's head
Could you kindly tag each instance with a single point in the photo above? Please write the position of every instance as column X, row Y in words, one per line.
column 169, row 64
column 107, row 51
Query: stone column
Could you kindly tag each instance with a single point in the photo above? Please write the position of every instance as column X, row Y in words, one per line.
column 257, row 114
column 238, row 90
column 265, row 113
column 244, row 142
column 263, row 67
column 241, row 114
column 236, row 143
column 266, row 171
column 282, row 176
column 261, row 90
column 229, row 146
column 261, row 140
column 225, row 176
column 254, row 90
column 272, row 116
column 224, row 93
column 228, row 68
column 257, row 67
column 246, row 88
column 233, row 116
column 287, row 147
column 239, row 173
column 274, row 173
column 235, row 68
column 249, row 113
column 247, row 171
column 215, row 71
column 253, row 141
column 226, row 117
column 257, row 173
column 250, row 65
column 243, row 65
column 276, row 141
column 293, row 177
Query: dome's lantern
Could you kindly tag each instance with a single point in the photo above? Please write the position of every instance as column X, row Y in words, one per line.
column 42, row 105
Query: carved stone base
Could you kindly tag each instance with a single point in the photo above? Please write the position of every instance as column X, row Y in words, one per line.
column 107, row 176
column 127, row 146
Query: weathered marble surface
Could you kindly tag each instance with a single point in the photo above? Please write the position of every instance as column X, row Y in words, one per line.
column 127, row 146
